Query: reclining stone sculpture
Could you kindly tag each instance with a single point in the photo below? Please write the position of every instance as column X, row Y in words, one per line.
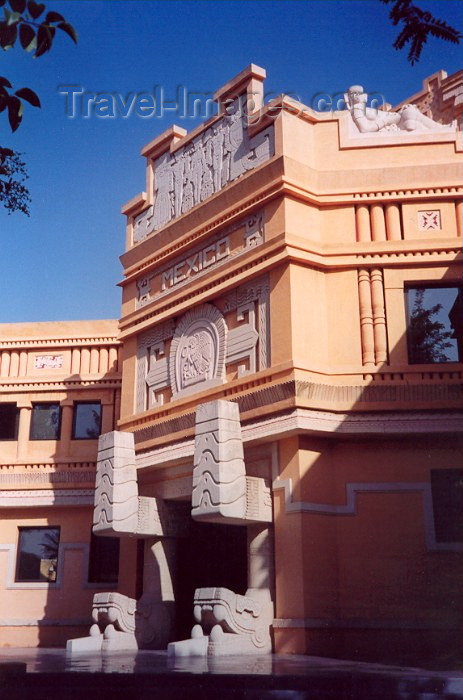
column 368, row 120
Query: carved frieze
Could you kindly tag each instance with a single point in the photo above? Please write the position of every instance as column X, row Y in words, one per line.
column 202, row 346
column 232, row 241
column 218, row 156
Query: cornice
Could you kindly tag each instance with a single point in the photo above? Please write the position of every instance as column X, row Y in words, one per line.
column 279, row 186
column 19, row 384
column 38, row 343
column 326, row 399
column 312, row 422
column 293, row 249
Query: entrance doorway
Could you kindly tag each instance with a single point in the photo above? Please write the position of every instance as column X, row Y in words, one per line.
column 212, row 556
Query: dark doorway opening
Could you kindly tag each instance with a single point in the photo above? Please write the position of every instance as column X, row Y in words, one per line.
column 212, row 556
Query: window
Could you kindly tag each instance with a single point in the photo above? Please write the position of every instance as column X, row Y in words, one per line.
column 87, row 421
column 8, row 421
column 434, row 324
column 46, row 421
column 447, row 503
column 104, row 559
column 37, row 554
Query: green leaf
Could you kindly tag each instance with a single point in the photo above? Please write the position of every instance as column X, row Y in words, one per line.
column 35, row 9
column 54, row 17
column 26, row 36
column 4, row 82
column 69, row 29
column 18, row 5
column 28, row 95
column 15, row 109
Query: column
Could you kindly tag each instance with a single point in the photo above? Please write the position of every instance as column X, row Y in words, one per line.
column 379, row 316
column 459, row 215
column 75, row 362
column 362, row 222
column 366, row 318
column 378, row 225
column 393, row 223
column 260, row 557
column 24, row 429
column 64, row 444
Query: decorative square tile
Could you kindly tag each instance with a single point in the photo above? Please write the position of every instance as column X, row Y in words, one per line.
column 429, row 220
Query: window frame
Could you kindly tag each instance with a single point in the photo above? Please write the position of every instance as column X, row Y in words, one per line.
column 425, row 285
column 58, row 430
column 43, row 581
column 74, row 418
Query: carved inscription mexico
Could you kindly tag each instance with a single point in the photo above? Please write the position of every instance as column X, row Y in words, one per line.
column 232, row 241
column 190, row 175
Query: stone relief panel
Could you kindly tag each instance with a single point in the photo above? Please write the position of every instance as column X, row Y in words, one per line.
column 218, row 156
column 197, row 353
column 178, row 359
column 257, row 291
column 429, row 220
column 233, row 240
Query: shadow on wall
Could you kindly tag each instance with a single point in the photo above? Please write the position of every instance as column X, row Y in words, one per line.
column 377, row 510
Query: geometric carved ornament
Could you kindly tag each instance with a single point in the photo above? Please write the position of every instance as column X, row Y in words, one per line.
column 429, row 220
column 202, row 346
column 197, row 353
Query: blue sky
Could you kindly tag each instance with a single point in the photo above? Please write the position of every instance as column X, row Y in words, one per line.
column 63, row 261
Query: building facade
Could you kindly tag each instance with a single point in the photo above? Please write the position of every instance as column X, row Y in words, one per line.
column 291, row 329
column 286, row 470
column 59, row 388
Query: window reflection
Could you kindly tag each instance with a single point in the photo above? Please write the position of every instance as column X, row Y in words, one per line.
column 434, row 324
column 38, row 554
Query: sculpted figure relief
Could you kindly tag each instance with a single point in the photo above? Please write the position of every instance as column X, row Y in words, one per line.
column 367, row 120
column 220, row 155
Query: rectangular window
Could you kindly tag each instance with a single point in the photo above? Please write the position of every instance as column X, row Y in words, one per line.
column 46, row 421
column 434, row 324
column 87, row 421
column 9, row 416
column 104, row 560
column 37, row 554
column 447, row 502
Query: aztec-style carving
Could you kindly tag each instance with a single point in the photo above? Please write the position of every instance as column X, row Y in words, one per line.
column 119, row 510
column 249, row 341
column 221, row 490
column 201, row 259
column 408, row 118
column 429, row 220
column 257, row 290
column 152, row 368
column 121, row 623
column 228, row 624
column 197, row 352
column 194, row 172
column 242, row 340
